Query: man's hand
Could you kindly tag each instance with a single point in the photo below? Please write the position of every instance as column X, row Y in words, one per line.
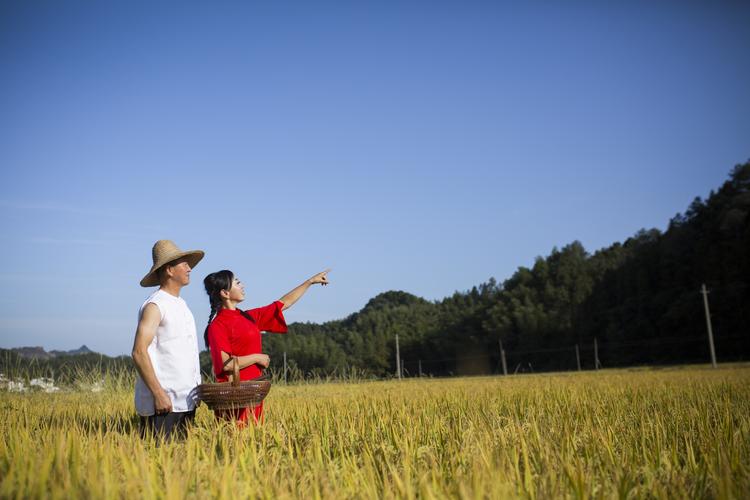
column 162, row 403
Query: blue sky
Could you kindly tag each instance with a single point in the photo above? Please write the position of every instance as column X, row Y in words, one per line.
column 419, row 146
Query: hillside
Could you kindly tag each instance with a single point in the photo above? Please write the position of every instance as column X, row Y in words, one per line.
column 639, row 299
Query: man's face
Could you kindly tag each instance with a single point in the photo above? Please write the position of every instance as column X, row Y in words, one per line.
column 179, row 271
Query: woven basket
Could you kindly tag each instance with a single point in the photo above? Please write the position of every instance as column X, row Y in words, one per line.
column 234, row 394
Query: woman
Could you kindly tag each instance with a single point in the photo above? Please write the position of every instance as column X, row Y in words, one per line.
column 233, row 332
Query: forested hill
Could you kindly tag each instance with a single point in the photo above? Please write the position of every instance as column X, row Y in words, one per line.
column 640, row 299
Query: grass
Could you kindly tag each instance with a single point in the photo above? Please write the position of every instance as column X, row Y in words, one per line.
column 682, row 433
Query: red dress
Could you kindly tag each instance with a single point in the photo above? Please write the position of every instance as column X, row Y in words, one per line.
column 234, row 334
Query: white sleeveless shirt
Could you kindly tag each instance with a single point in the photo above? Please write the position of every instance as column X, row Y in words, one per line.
column 174, row 356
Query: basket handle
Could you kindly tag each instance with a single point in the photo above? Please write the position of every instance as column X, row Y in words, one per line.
column 235, row 371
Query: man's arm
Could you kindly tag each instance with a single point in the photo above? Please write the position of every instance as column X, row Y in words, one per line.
column 143, row 336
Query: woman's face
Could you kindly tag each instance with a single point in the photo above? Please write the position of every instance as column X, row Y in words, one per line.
column 237, row 292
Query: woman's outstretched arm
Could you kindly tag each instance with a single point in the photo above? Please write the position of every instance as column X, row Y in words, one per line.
column 290, row 298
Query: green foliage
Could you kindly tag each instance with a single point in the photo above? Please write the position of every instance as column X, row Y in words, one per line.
column 67, row 370
column 639, row 299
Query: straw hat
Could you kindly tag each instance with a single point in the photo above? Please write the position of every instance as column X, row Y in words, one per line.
column 164, row 252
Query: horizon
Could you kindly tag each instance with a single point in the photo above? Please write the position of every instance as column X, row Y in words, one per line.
column 589, row 253
column 423, row 148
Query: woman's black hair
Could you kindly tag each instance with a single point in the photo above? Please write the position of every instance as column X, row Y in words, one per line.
column 215, row 283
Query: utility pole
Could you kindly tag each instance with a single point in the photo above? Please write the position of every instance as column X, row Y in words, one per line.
column 708, row 325
column 502, row 357
column 398, row 359
column 596, row 355
column 420, row 368
column 284, row 367
column 578, row 358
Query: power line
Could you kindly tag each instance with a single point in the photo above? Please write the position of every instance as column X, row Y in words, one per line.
column 571, row 349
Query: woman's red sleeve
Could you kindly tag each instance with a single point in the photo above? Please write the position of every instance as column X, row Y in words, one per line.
column 270, row 318
column 218, row 340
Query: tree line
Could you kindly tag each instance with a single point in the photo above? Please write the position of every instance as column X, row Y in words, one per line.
column 639, row 299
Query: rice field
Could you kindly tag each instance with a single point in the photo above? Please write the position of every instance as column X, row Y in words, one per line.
column 672, row 433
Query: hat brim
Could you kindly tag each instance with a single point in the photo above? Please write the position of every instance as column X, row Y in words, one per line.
column 192, row 256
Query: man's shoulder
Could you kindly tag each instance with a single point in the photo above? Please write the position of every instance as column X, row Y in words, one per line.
column 158, row 300
column 154, row 298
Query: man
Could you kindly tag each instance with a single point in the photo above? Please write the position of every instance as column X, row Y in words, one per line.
column 165, row 350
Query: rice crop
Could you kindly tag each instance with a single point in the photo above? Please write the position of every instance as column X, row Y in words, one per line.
column 671, row 433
